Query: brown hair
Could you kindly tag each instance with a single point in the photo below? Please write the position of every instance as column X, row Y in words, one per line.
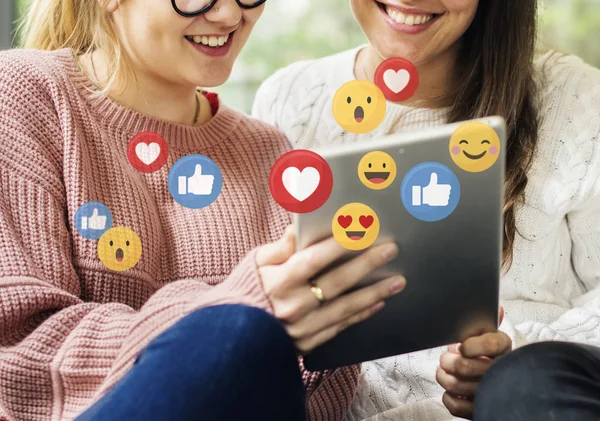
column 496, row 78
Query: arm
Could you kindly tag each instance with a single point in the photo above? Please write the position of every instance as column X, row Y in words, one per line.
column 582, row 322
column 57, row 352
column 575, row 94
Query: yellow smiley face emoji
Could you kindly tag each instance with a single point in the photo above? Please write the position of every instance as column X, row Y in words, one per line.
column 359, row 106
column 474, row 146
column 355, row 226
column 119, row 249
column 377, row 170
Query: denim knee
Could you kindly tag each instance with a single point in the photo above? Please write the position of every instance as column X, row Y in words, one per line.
column 241, row 332
column 525, row 375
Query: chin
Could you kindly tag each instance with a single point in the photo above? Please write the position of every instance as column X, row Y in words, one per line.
column 214, row 78
column 400, row 48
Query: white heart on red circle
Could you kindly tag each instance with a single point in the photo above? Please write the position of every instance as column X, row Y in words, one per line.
column 396, row 81
column 147, row 153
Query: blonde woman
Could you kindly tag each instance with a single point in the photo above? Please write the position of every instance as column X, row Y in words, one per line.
column 180, row 313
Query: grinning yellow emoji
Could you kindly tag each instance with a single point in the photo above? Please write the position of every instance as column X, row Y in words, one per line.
column 474, row 146
column 359, row 106
column 377, row 170
column 355, row 226
column 119, row 249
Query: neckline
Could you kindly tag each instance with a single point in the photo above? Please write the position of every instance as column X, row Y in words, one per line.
column 349, row 74
column 132, row 122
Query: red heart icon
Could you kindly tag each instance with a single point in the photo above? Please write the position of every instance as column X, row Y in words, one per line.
column 345, row 221
column 366, row 221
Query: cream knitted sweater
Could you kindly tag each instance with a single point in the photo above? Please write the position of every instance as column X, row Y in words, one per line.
column 552, row 291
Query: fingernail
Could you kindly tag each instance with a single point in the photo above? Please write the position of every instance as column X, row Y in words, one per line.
column 377, row 307
column 390, row 252
column 398, row 285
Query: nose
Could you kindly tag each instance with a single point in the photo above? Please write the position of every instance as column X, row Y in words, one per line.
column 226, row 12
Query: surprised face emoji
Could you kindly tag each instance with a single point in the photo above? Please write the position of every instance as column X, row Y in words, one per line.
column 119, row 249
column 359, row 106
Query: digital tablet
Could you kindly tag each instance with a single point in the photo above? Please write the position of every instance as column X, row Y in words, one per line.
column 439, row 194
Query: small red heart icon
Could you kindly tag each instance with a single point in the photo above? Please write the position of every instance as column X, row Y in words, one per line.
column 366, row 221
column 345, row 221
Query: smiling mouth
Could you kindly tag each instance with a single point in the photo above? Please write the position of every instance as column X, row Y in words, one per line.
column 359, row 114
column 355, row 235
column 119, row 255
column 377, row 177
column 215, row 46
column 475, row 157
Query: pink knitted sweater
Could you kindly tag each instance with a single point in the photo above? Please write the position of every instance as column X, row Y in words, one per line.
column 69, row 327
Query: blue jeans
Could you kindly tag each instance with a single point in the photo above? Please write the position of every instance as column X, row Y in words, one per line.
column 542, row 382
column 227, row 362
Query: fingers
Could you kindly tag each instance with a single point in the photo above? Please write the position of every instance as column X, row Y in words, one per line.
column 490, row 345
column 344, row 277
column 279, row 251
column 454, row 348
column 311, row 342
column 455, row 385
column 461, row 408
column 501, row 318
column 347, row 306
column 467, row 368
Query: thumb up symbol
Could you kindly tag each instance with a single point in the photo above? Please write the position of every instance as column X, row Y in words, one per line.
column 94, row 222
column 433, row 194
column 198, row 184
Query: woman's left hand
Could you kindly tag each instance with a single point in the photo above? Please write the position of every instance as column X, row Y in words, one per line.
column 463, row 365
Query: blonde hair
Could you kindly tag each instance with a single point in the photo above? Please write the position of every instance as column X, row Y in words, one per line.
column 80, row 25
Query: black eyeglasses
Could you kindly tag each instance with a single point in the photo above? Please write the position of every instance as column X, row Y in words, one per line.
column 192, row 8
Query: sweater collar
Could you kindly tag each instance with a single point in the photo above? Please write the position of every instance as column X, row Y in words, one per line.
column 115, row 115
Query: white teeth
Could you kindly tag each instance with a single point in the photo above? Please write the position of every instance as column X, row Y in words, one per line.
column 400, row 17
column 210, row 41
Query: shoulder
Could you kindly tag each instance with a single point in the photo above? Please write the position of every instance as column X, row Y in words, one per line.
column 37, row 68
column 569, row 132
column 308, row 73
column 568, row 78
column 300, row 82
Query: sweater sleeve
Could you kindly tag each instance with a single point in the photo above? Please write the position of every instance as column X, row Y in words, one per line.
column 57, row 352
column 579, row 108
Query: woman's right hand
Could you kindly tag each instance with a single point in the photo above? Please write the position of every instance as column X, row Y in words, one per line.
column 286, row 276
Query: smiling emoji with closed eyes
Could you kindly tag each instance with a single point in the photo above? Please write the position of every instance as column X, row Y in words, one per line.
column 475, row 146
column 119, row 249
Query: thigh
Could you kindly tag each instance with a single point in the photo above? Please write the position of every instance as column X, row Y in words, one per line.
column 218, row 363
column 541, row 381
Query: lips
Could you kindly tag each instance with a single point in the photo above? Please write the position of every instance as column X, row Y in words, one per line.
column 119, row 255
column 359, row 114
column 474, row 157
column 355, row 235
column 377, row 177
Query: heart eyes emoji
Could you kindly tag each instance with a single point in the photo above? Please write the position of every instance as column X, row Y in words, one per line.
column 366, row 221
column 355, row 226
column 346, row 220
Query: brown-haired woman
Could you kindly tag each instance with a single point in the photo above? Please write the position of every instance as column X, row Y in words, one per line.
column 476, row 58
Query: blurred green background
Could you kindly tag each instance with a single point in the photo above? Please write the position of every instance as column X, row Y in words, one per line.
column 292, row 30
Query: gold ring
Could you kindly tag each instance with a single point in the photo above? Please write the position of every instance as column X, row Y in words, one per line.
column 318, row 293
